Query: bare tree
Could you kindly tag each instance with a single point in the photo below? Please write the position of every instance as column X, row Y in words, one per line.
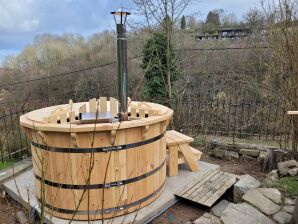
column 283, row 41
column 164, row 14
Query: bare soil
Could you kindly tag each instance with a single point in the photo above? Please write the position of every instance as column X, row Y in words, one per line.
column 238, row 167
column 8, row 211
column 181, row 213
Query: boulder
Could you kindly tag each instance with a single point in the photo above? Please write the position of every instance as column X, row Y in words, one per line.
column 293, row 172
column 219, row 153
column 249, row 152
column 245, row 183
column 284, row 167
column 220, row 207
column 207, row 218
column 243, row 214
column 258, row 200
column 289, row 209
column 282, row 217
column 271, row 193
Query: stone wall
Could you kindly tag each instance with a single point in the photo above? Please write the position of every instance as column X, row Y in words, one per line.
column 267, row 156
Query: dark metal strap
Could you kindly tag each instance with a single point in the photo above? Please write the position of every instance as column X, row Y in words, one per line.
column 103, row 211
column 99, row 149
column 98, row 186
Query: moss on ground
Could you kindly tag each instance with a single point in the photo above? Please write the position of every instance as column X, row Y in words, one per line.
column 288, row 185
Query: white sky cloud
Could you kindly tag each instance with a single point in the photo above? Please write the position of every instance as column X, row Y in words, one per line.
column 29, row 25
column 21, row 20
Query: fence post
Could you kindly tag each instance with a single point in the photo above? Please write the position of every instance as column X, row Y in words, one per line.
column 294, row 124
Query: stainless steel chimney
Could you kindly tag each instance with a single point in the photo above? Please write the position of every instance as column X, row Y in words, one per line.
column 120, row 19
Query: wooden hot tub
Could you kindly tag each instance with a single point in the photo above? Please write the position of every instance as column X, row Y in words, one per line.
column 97, row 170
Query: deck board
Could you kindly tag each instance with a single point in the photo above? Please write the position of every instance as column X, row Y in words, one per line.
column 207, row 189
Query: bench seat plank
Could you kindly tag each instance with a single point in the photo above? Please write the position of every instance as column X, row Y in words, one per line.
column 176, row 138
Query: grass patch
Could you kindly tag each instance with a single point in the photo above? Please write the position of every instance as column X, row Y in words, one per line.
column 4, row 165
column 288, row 185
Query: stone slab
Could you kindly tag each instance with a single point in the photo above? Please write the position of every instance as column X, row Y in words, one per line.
column 25, row 191
column 245, row 183
column 207, row 218
column 258, row 200
column 289, row 209
column 218, row 209
column 243, row 214
column 282, row 217
column 249, row 152
column 271, row 193
column 289, row 201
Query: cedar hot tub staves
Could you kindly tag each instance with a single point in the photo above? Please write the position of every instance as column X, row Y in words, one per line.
column 101, row 110
column 97, row 170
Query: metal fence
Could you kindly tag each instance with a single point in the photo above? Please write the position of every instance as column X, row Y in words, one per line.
column 235, row 118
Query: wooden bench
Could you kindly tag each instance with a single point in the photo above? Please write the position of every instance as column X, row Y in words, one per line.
column 196, row 153
column 180, row 152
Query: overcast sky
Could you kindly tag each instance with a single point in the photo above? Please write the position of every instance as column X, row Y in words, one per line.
column 21, row 20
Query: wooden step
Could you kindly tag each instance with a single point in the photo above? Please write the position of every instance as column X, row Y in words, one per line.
column 208, row 188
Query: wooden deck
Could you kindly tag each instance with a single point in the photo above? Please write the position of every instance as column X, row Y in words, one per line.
column 207, row 189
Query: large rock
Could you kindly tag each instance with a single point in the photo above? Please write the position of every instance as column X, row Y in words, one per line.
column 207, row 218
column 282, row 217
column 258, row 200
column 245, row 183
column 293, row 172
column 284, row 167
column 219, row 153
column 271, row 193
column 243, row 214
column 249, row 152
column 220, row 207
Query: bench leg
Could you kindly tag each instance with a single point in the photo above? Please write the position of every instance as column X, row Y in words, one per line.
column 173, row 160
column 189, row 157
